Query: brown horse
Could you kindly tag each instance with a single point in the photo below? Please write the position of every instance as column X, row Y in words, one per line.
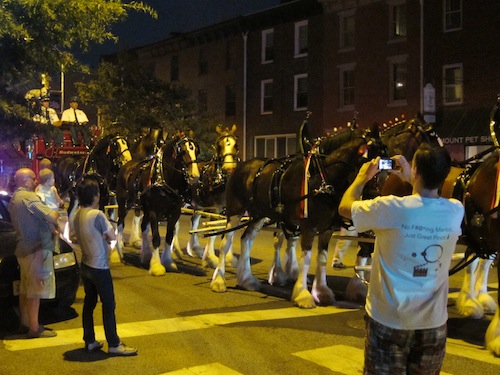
column 475, row 183
column 160, row 186
column 210, row 193
column 300, row 192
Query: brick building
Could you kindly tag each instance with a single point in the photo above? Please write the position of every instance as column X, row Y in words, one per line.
column 338, row 59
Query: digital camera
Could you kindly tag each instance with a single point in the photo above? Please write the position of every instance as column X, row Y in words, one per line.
column 386, row 164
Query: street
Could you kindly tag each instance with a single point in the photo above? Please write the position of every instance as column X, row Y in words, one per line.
column 181, row 327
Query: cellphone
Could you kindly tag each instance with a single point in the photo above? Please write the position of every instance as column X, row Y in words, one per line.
column 386, row 164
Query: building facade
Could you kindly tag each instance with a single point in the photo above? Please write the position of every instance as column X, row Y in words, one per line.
column 373, row 60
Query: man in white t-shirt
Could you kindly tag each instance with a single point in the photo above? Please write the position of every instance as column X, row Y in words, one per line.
column 416, row 236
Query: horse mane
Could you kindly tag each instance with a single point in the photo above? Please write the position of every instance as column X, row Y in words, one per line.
column 338, row 139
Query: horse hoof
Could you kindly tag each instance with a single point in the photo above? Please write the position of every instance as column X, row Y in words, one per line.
column 356, row 290
column 218, row 286
column 277, row 277
column 157, row 270
column 302, row 298
column 137, row 244
column 250, row 284
column 323, row 296
column 488, row 303
column 171, row 267
column 115, row 257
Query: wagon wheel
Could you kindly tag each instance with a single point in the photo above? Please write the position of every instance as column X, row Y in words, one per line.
column 469, row 257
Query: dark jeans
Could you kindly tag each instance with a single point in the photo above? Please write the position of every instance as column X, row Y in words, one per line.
column 87, row 137
column 97, row 282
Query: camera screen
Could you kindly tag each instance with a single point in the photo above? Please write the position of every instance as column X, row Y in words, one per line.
column 386, row 164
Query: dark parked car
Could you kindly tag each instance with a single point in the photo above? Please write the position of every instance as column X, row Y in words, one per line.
column 67, row 270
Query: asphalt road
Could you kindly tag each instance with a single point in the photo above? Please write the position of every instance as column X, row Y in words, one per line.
column 181, row 327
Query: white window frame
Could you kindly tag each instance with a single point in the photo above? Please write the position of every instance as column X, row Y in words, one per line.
column 296, row 79
column 263, row 85
column 343, row 16
column 272, row 140
column 397, row 60
column 299, row 27
column 447, row 12
column 398, row 20
column 342, row 88
column 458, row 86
column 265, row 34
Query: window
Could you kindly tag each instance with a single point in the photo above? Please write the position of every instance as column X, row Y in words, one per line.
column 453, row 79
column 266, row 96
column 398, row 20
column 346, row 31
column 202, row 101
column 347, row 87
column 452, row 15
column 397, row 78
column 300, row 92
column 275, row 146
column 202, row 62
column 230, row 101
column 300, row 39
column 267, row 46
column 174, row 68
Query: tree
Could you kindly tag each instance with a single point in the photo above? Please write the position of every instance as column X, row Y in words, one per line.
column 39, row 36
column 130, row 98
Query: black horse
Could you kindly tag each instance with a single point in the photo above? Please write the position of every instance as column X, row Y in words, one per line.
column 160, row 186
column 302, row 193
column 103, row 162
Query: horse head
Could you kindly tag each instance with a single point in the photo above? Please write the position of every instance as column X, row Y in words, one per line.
column 226, row 147
column 404, row 136
column 185, row 152
column 150, row 142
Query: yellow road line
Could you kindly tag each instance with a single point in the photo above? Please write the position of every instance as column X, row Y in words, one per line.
column 171, row 325
column 211, row 369
column 463, row 349
column 344, row 359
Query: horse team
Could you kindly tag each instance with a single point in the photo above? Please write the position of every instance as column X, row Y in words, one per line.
column 298, row 193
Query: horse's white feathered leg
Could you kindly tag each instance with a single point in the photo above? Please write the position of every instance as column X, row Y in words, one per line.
column 492, row 337
column 356, row 288
column 301, row 296
column 135, row 232
column 166, row 258
column 209, row 259
column 467, row 303
column 291, row 263
column 175, row 241
column 155, row 266
column 116, row 255
column 218, row 283
column 246, row 279
column 320, row 291
column 194, row 249
column 276, row 274
column 481, row 287
column 145, row 247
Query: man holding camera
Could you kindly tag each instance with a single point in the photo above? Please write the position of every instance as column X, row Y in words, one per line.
column 416, row 235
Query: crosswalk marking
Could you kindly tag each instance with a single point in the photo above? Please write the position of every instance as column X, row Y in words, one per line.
column 211, row 369
column 475, row 352
column 340, row 358
column 169, row 325
column 344, row 359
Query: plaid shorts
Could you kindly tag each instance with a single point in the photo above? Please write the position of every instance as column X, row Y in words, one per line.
column 37, row 275
column 394, row 351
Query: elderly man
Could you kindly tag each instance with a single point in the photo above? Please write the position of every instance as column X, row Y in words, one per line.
column 34, row 223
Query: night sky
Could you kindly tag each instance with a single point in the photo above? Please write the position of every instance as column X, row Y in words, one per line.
column 175, row 16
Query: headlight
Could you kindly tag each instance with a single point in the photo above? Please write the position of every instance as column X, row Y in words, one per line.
column 64, row 260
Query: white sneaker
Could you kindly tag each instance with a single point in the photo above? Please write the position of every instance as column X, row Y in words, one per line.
column 122, row 349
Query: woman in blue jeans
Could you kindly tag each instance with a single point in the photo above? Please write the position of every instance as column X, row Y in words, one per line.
column 94, row 232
